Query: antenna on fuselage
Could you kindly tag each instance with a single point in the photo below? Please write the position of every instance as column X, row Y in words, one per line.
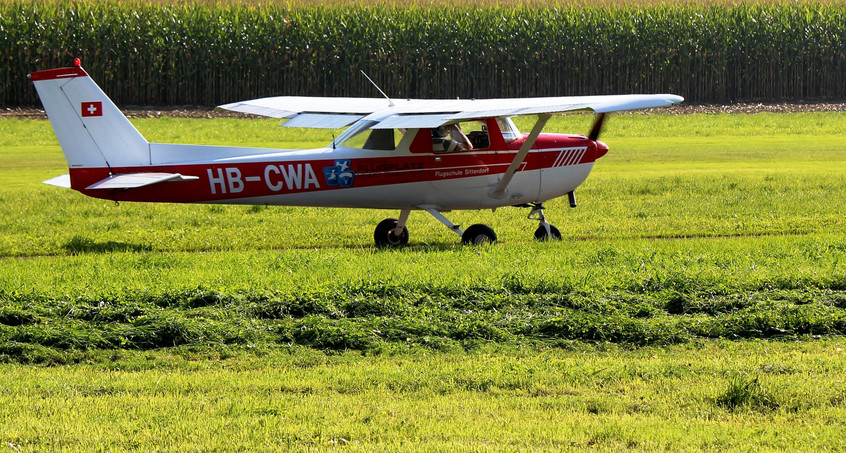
column 390, row 102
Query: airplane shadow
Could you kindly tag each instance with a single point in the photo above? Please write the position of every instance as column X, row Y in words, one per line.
column 83, row 245
column 432, row 247
column 78, row 245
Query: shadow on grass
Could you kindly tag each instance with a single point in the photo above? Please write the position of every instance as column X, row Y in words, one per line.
column 78, row 245
column 433, row 247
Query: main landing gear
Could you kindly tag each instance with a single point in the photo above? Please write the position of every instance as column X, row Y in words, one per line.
column 386, row 234
column 393, row 232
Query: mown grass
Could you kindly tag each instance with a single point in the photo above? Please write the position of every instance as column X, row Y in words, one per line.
column 738, row 235
column 704, row 396
column 696, row 303
column 666, row 176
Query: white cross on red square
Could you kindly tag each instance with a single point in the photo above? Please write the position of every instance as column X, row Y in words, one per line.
column 94, row 108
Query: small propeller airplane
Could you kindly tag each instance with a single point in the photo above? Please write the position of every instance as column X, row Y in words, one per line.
column 403, row 155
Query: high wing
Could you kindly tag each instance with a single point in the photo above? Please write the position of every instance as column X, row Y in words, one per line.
column 336, row 112
column 317, row 112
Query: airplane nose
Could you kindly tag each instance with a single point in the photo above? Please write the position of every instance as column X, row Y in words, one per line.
column 601, row 149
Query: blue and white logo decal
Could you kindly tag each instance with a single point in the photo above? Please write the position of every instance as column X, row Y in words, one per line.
column 339, row 175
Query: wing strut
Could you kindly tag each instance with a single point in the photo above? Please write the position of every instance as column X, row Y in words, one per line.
column 499, row 192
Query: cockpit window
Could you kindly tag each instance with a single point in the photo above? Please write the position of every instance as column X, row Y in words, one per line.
column 463, row 136
column 477, row 133
column 361, row 137
column 509, row 130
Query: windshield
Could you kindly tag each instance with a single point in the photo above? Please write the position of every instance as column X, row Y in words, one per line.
column 354, row 130
column 509, row 130
column 362, row 137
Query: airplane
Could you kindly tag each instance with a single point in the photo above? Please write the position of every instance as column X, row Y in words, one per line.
column 395, row 154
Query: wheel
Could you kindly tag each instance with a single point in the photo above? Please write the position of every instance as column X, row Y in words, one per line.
column 540, row 233
column 478, row 234
column 385, row 237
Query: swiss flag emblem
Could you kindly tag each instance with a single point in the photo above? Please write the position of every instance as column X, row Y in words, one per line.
column 92, row 108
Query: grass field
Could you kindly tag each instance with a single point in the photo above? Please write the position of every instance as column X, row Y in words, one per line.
column 721, row 396
column 697, row 302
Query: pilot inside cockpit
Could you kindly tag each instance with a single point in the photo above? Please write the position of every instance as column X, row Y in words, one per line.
column 450, row 138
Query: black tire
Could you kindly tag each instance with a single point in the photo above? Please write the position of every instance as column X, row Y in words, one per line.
column 478, row 234
column 540, row 234
column 385, row 237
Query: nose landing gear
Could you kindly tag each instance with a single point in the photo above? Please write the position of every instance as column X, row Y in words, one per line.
column 545, row 231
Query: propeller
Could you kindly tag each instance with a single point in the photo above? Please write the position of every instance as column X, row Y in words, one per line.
column 597, row 127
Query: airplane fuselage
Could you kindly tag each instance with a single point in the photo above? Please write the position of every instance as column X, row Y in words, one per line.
column 353, row 177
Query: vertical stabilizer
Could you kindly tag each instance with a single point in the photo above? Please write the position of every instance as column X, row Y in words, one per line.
column 91, row 130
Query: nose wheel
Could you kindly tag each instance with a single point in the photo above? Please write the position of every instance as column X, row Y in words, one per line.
column 545, row 231
column 544, row 234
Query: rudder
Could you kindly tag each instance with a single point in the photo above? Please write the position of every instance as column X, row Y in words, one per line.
column 91, row 130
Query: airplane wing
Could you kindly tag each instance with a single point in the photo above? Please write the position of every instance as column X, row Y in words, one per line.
column 333, row 113
column 317, row 112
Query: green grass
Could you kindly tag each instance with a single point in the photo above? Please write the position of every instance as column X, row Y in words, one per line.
column 732, row 236
column 697, row 302
column 666, row 176
column 713, row 396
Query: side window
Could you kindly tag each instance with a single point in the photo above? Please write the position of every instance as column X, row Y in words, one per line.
column 483, row 134
column 477, row 133
column 464, row 136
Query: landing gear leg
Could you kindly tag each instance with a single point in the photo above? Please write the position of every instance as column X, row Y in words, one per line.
column 545, row 231
column 474, row 234
column 392, row 232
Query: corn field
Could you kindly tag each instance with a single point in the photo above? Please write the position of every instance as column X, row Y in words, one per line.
column 207, row 54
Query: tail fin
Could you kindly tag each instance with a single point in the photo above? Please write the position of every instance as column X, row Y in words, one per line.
column 91, row 130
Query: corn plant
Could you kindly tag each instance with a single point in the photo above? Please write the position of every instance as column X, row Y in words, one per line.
column 153, row 53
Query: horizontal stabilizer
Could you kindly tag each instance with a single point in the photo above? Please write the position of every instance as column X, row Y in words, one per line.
column 59, row 181
column 135, row 180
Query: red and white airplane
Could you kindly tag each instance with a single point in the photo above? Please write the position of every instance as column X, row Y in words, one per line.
column 429, row 155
